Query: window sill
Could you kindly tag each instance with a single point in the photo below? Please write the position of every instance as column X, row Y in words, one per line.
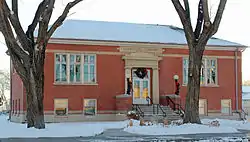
column 89, row 116
column 61, row 116
column 77, row 84
column 206, row 86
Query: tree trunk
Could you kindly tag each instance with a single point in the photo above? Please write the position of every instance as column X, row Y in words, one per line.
column 193, row 87
column 34, row 93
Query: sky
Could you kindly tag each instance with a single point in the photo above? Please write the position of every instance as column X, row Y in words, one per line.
column 234, row 24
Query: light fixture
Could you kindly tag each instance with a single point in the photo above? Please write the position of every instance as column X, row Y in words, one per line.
column 176, row 77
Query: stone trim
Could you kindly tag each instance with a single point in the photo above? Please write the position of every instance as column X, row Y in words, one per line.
column 124, row 96
column 74, row 118
column 119, row 54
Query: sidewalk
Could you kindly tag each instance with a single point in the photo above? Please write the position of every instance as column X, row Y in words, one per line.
column 120, row 135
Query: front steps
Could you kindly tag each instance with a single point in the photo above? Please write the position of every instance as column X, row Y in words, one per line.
column 151, row 113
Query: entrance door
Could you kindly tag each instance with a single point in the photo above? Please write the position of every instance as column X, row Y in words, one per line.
column 141, row 88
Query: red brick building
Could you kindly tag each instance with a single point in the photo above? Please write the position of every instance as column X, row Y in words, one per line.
column 88, row 63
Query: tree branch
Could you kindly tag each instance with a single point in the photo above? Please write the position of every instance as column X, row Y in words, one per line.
column 44, row 22
column 200, row 20
column 218, row 16
column 206, row 12
column 60, row 19
column 186, row 4
column 32, row 26
column 15, row 7
column 184, row 20
column 9, row 37
column 16, row 25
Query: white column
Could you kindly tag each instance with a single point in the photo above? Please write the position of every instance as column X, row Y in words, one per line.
column 127, row 75
column 156, row 94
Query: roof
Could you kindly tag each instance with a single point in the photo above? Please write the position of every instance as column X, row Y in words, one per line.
column 246, row 92
column 127, row 32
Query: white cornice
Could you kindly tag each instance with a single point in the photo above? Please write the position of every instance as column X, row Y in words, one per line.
column 129, row 44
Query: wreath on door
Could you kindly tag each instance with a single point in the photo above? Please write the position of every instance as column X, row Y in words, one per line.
column 141, row 72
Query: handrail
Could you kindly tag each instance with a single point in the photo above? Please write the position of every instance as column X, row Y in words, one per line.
column 149, row 100
column 138, row 109
column 180, row 108
column 244, row 114
column 158, row 106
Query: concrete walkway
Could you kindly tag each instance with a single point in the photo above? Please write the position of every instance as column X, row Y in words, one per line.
column 118, row 135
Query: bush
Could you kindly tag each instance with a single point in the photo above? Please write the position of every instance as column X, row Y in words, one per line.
column 133, row 115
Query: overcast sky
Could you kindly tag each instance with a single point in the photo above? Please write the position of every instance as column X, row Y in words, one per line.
column 234, row 25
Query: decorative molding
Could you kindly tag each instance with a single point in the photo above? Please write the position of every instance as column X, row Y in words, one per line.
column 152, row 51
column 120, row 54
column 74, row 84
column 207, row 56
column 84, row 52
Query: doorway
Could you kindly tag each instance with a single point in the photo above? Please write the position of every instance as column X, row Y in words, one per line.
column 141, row 87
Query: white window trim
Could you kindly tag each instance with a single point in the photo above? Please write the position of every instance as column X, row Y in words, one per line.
column 95, row 107
column 55, row 62
column 68, row 70
column 55, row 107
column 74, row 81
column 205, row 76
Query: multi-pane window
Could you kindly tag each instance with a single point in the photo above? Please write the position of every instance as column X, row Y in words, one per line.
column 208, row 71
column 75, row 68
column 89, row 68
column 61, row 107
column 61, row 68
column 89, row 106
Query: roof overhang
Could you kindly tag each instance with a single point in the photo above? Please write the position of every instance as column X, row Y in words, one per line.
column 139, row 44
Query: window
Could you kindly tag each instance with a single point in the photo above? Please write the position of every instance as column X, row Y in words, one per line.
column 75, row 68
column 13, row 106
column 202, row 106
column 89, row 68
column 89, row 106
column 226, row 106
column 16, row 107
column 61, row 67
column 61, row 107
column 81, row 68
column 208, row 71
column 19, row 106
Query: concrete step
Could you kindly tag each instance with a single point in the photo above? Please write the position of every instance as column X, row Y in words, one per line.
column 150, row 112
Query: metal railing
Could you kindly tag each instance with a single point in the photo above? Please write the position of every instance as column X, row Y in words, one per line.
column 158, row 107
column 163, row 112
column 175, row 106
column 243, row 114
column 137, row 108
column 149, row 100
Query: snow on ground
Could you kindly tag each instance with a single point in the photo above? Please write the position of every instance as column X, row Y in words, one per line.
column 177, row 130
column 226, row 139
column 240, row 125
column 9, row 129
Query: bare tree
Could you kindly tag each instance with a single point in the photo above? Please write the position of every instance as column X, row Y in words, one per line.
column 196, row 40
column 27, row 54
column 4, row 85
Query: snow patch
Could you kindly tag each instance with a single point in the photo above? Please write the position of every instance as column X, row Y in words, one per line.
column 240, row 125
column 57, row 129
column 226, row 126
